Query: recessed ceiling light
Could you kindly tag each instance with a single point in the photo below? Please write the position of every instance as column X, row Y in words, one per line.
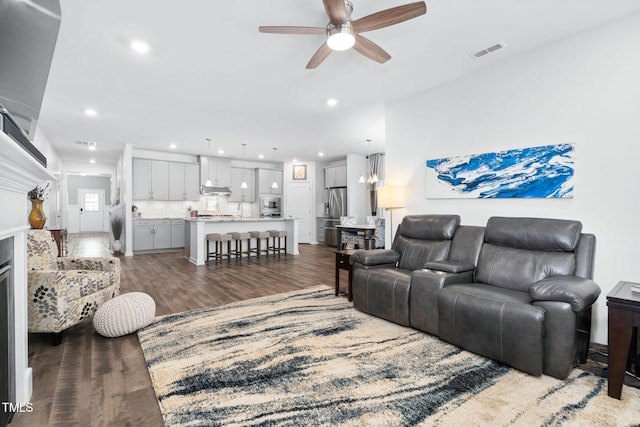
column 92, row 161
column 90, row 112
column 140, row 46
column 91, row 146
column 332, row 102
column 261, row 156
column 295, row 160
column 221, row 151
column 172, row 146
column 321, row 154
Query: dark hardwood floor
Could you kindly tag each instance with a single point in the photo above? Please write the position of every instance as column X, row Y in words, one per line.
column 90, row 380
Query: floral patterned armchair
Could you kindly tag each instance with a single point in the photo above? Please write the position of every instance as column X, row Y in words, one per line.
column 65, row 291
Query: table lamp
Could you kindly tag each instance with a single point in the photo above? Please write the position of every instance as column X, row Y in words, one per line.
column 391, row 197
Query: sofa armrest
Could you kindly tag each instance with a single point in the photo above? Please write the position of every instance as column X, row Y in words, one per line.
column 425, row 290
column 580, row 293
column 375, row 257
column 450, row 266
column 89, row 263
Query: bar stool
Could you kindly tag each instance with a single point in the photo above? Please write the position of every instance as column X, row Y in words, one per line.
column 259, row 235
column 238, row 238
column 218, row 239
column 278, row 234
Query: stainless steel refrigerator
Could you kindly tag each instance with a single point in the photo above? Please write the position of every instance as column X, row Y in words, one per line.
column 336, row 203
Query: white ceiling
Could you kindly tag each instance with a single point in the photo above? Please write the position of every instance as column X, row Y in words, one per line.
column 211, row 74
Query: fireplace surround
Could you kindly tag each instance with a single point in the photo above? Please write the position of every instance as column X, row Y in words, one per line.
column 19, row 173
column 7, row 328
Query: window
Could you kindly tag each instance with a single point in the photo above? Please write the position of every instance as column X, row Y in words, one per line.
column 91, row 202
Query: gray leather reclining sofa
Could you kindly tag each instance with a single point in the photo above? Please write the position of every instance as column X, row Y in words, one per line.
column 518, row 290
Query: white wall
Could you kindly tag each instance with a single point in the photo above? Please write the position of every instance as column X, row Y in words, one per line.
column 55, row 202
column 357, row 193
column 583, row 90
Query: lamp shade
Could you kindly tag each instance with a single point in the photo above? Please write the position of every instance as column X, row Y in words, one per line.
column 391, row 196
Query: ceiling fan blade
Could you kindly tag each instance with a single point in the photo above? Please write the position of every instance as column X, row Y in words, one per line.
column 389, row 17
column 320, row 55
column 370, row 49
column 336, row 10
column 292, row 30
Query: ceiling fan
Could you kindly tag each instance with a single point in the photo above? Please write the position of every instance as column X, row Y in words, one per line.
column 343, row 33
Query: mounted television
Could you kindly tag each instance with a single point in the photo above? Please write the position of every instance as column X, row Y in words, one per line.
column 28, row 34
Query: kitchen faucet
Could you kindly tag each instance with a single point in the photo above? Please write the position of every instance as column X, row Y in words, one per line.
column 240, row 210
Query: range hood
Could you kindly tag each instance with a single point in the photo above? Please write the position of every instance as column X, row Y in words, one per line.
column 214, row 190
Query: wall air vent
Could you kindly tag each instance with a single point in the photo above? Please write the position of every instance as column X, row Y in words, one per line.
column 488, row 50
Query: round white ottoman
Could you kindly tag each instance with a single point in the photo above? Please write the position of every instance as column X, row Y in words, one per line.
column 124, row 314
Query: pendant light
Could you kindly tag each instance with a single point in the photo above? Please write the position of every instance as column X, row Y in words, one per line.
column 371, row 177
column 208, row 183
column 275, row 183
column 244, row 156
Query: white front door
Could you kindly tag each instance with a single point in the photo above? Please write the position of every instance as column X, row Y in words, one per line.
column 299, row 207
column 91, row 204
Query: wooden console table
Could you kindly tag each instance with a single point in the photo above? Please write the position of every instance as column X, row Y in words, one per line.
column 624, row 318
column 60, row 236
column 368, row 232
column 342, row 263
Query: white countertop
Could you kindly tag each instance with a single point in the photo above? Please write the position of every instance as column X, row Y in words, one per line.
column 234, row 219
column 358, row 226
column 156, row 217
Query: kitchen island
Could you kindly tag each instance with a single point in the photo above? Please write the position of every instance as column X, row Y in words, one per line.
column 199, row 227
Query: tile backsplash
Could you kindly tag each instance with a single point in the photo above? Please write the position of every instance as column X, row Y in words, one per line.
column 158, row 209
column 180, row 209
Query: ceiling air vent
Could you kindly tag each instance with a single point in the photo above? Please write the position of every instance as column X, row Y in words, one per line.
column 89, row 144
column 488, row 50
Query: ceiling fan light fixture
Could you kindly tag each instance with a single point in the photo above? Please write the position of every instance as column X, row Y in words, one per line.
column 341, row 37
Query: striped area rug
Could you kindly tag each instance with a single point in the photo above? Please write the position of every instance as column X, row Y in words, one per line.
column 308, row 358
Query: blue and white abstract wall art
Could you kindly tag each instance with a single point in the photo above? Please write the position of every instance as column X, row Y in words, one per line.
column 536, row 172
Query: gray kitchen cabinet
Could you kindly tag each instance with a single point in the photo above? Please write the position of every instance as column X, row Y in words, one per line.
column 184, row 181
column 142, row 236
column 320, row 226
column 151, row 234
column 265, row 180
column 335, row 176
column 192, row 181
column 243, row 194
column 177, row 233
column 150, row 179
column 215, row 169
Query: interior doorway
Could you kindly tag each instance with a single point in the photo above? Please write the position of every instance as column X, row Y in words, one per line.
column 299, row 202
column 92, row 209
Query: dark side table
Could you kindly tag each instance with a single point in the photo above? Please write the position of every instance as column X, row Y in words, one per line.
column 624, row 318
column 342, row 263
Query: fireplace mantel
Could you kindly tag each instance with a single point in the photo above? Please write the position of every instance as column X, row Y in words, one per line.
column 19, row 173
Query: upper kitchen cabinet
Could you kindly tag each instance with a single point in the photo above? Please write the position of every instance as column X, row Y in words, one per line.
column 238, row 194
column 266, row 178
column 184, row 181
column 215, row 169
column 335, row 176
column 150, row 179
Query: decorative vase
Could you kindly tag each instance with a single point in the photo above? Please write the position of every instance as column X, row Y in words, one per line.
column 37, row 218
column 117, row 247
